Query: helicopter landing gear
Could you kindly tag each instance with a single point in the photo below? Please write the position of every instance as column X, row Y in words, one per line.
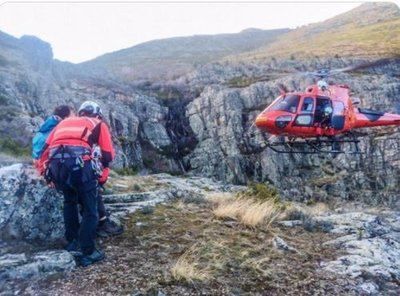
column 330, row 145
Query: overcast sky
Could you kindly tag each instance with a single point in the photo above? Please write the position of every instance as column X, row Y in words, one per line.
column 82, row 31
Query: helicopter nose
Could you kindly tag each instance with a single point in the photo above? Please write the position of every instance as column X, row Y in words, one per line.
column 273, row 121
column 263, row 121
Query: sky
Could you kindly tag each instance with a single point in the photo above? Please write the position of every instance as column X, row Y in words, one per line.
column 83, row 31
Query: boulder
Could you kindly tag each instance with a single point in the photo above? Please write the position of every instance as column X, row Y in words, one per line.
column 23, row 266
column 29, row 210
column 372, row 246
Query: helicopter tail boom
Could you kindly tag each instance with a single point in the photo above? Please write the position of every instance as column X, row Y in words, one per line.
column 371, row 118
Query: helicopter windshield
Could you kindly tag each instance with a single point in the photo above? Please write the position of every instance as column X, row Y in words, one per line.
column 287, row 103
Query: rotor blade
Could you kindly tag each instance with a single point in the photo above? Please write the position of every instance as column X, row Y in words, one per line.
column 362, row 66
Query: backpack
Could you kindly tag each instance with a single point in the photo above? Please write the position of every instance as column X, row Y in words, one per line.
column 39, row 140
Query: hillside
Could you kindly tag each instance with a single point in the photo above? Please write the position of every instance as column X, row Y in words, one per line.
column 176, row 56
column 371, row 29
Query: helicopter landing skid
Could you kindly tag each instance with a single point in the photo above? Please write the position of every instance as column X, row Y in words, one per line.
column 314, row 146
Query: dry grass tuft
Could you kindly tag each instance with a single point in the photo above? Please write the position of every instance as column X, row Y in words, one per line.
column 217, row 198
column 185, row 269
column 248, row 211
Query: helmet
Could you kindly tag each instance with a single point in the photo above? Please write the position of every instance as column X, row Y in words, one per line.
column 328, row 110
column 322, row 85
column 90, row 108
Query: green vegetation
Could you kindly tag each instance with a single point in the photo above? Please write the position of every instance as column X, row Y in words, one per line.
column 126, row 171
column 12, row 147
column 263, row 192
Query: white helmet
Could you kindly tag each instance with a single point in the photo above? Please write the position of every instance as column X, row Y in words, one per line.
column 322, row 85
column 90, row 108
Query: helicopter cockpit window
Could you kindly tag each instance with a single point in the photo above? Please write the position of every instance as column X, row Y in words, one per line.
column 308, row 105
column 287, row 103
column 338, row 108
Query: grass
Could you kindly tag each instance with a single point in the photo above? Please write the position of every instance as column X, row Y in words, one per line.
column 380, row 40
column 249, row 212
column 182, row 249
column 131, row 183
column 187, row 270
column 259, row 205
column 126, row 171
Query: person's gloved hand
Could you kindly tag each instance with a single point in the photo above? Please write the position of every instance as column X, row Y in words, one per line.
column 104, row 176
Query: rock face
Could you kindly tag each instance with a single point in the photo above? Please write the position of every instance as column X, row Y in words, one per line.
column 200, row 121
column 370, row 240
column 221, row 119
column 21, row 266
column 372, row 243
column 204, row 127
column 28, row 209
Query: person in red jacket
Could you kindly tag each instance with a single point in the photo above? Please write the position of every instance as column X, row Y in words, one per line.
column 69, row 165
column 106, row 227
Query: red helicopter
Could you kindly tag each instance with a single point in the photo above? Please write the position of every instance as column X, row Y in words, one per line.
column 319, row 120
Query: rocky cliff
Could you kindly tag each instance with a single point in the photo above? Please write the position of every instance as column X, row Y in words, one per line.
column 200, row 121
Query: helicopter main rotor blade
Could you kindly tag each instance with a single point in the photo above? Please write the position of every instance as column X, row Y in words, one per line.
column 322, row 73
column 362, row 66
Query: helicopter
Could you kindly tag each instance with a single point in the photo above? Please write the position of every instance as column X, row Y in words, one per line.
column 322, row 119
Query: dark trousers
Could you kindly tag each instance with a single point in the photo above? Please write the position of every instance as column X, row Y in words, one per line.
column 79, row 185
column 100, row 206
column 85, row 231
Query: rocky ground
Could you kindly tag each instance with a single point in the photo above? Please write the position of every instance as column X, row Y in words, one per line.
column 176, row 242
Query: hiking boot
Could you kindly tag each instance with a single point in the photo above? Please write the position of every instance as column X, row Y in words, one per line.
column 86, row 260
column 72, row 246
column 108, row 228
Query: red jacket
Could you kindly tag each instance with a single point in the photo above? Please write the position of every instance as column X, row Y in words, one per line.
column 80, row 131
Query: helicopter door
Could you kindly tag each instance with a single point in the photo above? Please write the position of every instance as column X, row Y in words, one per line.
column 323, row 112
column 338, row 118
column 305, row 118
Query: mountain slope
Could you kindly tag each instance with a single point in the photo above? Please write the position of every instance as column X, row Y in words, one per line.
column 174, row 56
column 371, row 29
